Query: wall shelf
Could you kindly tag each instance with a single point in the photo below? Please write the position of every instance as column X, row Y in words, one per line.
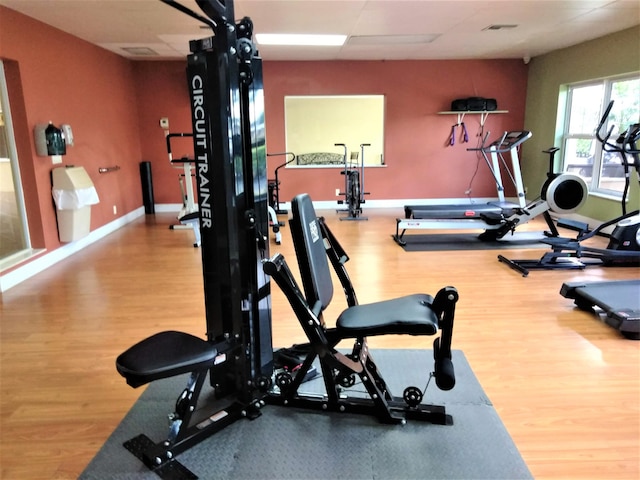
column 484, row 114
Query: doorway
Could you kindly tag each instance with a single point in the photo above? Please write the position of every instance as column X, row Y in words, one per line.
column 15, row 244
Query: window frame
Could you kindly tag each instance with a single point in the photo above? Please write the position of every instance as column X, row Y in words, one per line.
column 596, row 169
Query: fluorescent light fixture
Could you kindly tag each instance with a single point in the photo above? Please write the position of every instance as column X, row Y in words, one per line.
column 295, row 39
column 392, row 39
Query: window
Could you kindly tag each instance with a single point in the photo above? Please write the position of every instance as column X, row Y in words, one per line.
column 583, row 153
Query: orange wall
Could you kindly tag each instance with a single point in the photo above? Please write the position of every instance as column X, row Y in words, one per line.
column 67, row 80
column 419, row 164
column 161, row 91
column 114, row 106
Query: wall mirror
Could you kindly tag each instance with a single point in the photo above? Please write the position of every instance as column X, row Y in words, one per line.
column 314, row 124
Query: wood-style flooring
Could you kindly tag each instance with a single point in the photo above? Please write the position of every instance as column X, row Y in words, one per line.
column 566, row 386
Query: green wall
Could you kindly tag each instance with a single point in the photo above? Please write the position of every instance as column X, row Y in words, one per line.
column 614, row 54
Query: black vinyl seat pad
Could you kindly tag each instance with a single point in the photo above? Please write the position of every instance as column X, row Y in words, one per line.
column 164, row 355
column 408, row 315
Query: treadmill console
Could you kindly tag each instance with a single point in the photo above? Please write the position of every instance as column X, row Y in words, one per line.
column 509, row 141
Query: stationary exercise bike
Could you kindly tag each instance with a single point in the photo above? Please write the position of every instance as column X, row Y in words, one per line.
column 353, row 184
column 623, row 248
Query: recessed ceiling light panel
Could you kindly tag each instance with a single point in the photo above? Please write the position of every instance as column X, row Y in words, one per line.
column 392, row 39
column 294, row 39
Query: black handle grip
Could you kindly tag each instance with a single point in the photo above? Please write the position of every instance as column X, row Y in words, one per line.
column 444, row 373
column 603, row 120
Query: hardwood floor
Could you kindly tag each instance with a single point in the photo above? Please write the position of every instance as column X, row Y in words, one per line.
column 566, row 386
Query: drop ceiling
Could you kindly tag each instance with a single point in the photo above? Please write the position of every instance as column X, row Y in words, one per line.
column 376, row 29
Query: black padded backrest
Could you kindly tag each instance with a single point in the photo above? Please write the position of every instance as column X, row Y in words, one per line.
column 310, row 251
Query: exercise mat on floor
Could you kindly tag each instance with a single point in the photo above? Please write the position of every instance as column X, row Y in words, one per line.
column 289, row 443
column 434, row 242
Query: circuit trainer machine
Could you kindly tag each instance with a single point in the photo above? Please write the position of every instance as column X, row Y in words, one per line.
column 224, row 76
column 318, row 253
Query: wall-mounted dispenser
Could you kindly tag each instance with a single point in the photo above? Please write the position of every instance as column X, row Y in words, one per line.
column 49, row 140
column 67, row 134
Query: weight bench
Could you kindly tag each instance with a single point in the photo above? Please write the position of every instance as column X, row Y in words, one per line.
column 418, row 314
column 168, row 354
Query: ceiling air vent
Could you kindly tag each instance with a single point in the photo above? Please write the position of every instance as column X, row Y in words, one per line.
column 140, row 51
column 499, row 27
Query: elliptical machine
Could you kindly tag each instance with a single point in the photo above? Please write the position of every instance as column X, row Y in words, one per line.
column 353, row 184
column 623, row 248
column 273, row 185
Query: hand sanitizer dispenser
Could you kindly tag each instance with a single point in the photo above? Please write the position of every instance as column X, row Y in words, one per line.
column 49, row 140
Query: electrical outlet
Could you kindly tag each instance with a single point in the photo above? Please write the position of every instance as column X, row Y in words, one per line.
column 337, row 192
column 115, row 210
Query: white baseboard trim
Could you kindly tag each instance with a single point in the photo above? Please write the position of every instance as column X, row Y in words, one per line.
column 167, row 207
column 46, row 260
column 390, row 203
column 42, row 261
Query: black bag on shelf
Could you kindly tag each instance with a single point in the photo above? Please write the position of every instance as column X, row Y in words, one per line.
column 474, row 104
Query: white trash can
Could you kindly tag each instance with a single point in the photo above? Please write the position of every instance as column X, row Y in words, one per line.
column 73, row 193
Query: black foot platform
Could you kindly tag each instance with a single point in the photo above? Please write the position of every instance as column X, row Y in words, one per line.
column 619, row 301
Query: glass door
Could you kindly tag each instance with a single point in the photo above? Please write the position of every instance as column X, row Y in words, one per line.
column 14, row 235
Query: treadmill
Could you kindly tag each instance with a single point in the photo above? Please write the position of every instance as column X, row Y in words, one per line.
column 493, row 156
column 617, row 301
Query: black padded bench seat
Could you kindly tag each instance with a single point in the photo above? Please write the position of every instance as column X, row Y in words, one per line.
column 164, row 355
column 410, row 315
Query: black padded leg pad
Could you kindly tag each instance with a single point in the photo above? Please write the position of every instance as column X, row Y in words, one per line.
column 164, row 355
column 444, row 373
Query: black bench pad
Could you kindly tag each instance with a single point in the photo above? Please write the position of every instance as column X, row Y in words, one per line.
column 409, row 315
column 164, row 355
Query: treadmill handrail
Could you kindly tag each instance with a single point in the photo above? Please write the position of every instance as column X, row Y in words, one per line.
column 511, row 140
column 508, row 141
